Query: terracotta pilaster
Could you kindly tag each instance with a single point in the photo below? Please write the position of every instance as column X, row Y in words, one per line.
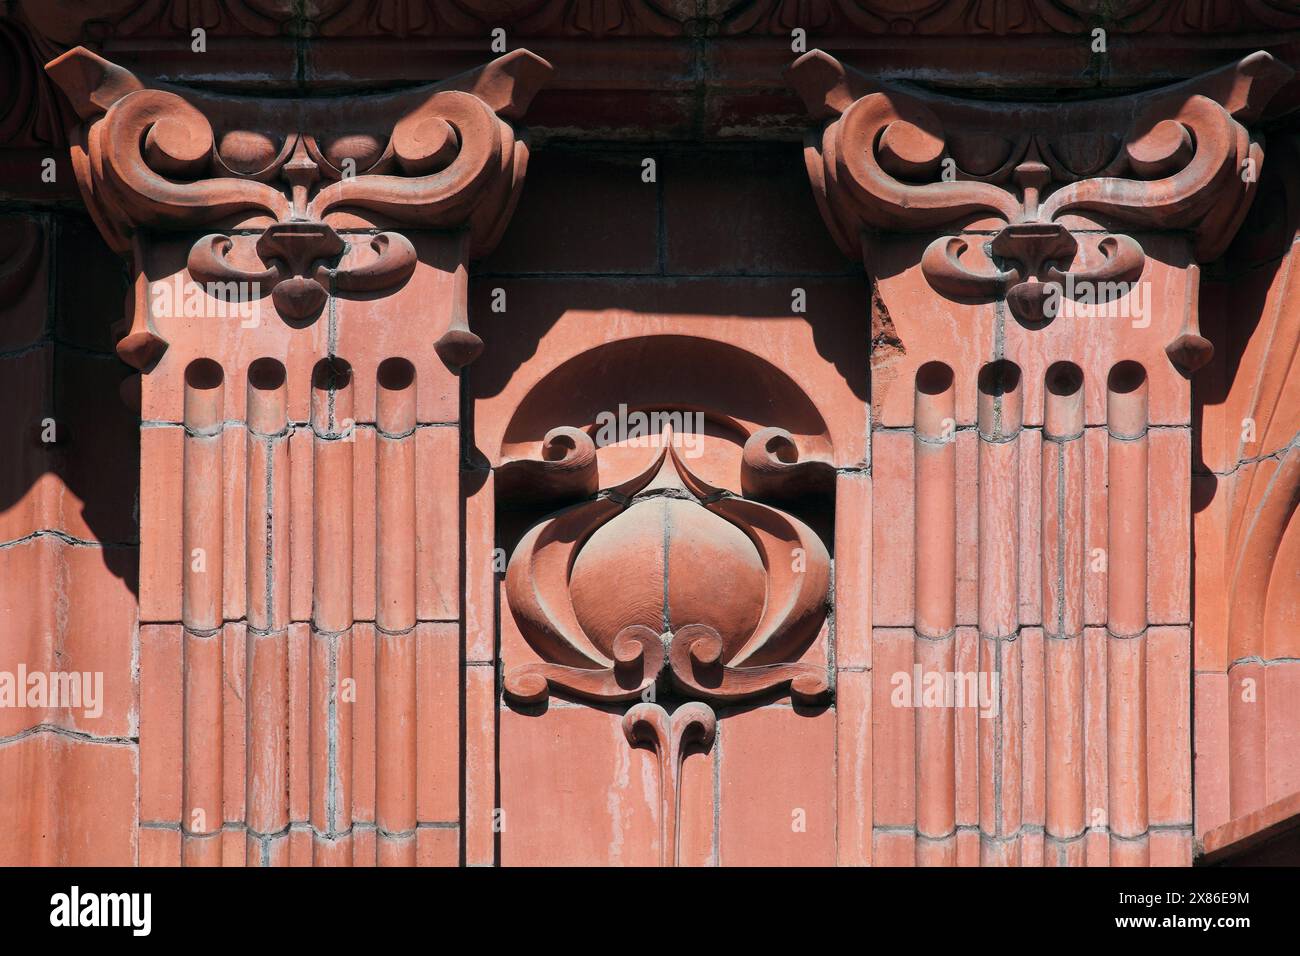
column 298, row 317
column 1036, row 270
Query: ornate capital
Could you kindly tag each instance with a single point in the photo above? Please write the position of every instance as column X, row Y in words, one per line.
column 445, row 157
column 1036, row 176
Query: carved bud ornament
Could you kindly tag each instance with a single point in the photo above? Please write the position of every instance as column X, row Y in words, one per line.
column 668, row 580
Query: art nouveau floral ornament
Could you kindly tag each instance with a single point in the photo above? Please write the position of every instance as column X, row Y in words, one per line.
column 666, row 580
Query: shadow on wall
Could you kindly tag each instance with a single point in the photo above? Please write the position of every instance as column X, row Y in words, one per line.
column 71, row 462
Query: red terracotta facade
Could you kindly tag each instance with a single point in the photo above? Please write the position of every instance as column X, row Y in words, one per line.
column 643, row 433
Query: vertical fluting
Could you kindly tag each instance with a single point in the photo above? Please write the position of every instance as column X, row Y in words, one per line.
column 935, row 450
column 395, row 724
column 331, row 645
column 1062, row 593
column 1000, row 416
column 202, row 613
column 1126, row 612
column 267, row 601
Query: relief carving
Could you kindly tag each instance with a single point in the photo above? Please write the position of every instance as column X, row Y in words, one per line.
column 438, row 157
column 667, row 580
column 1039, row 178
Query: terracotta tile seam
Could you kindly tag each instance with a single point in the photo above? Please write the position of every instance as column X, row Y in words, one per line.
column 401, row 632
column 1063, row 439
column 974, row 427
column 1256, row 659
column 853, row 669
column 999, row 438
column 1243, row 462
column 67, row 539
column 1054, row 636
column 276, row 631
column 1060, row 839
column 290, row 427
column 921, row 634
column 403, row 835
column 1135, row 635
column 57, row 730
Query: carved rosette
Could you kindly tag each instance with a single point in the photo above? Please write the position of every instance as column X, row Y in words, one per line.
column 1040, row 178
column 439, row 157
column 666, row 580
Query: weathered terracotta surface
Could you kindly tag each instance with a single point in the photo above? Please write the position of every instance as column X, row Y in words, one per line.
column 410, row 515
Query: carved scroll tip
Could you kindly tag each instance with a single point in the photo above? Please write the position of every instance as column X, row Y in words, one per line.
column 507, row 84
column 1265, row 74
column 91, row 83
column 821, row 82
column 524, row 685
column 1190, row 352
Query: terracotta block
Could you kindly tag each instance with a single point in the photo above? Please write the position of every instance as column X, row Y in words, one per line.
column 778, row 813
column 77, row 799
column 853, row 767
column 1283, row 721
column 570, row 763
column 893, row 563
column 482, row 822
column 299, row 729
column 1210, row 760
column 160, row 511
column 853, row 572
column 893, row 847
column 1096, row 568
column 437, row 846
column 70, row 620
column 1030, row 566
column 1033, row 706
column 1169, row 549
column 301, row 530
column 365, row 737
column 437, row 541
column 756, row 230
column 160, row 847
column 893, row 747
column 1212, row 601
column 438, row 723
column 161, row 704
column 966, row 739
column 364, row 506
column 561, row 223
column 1171, row 847
column 1169, row 726
column 234, row 724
